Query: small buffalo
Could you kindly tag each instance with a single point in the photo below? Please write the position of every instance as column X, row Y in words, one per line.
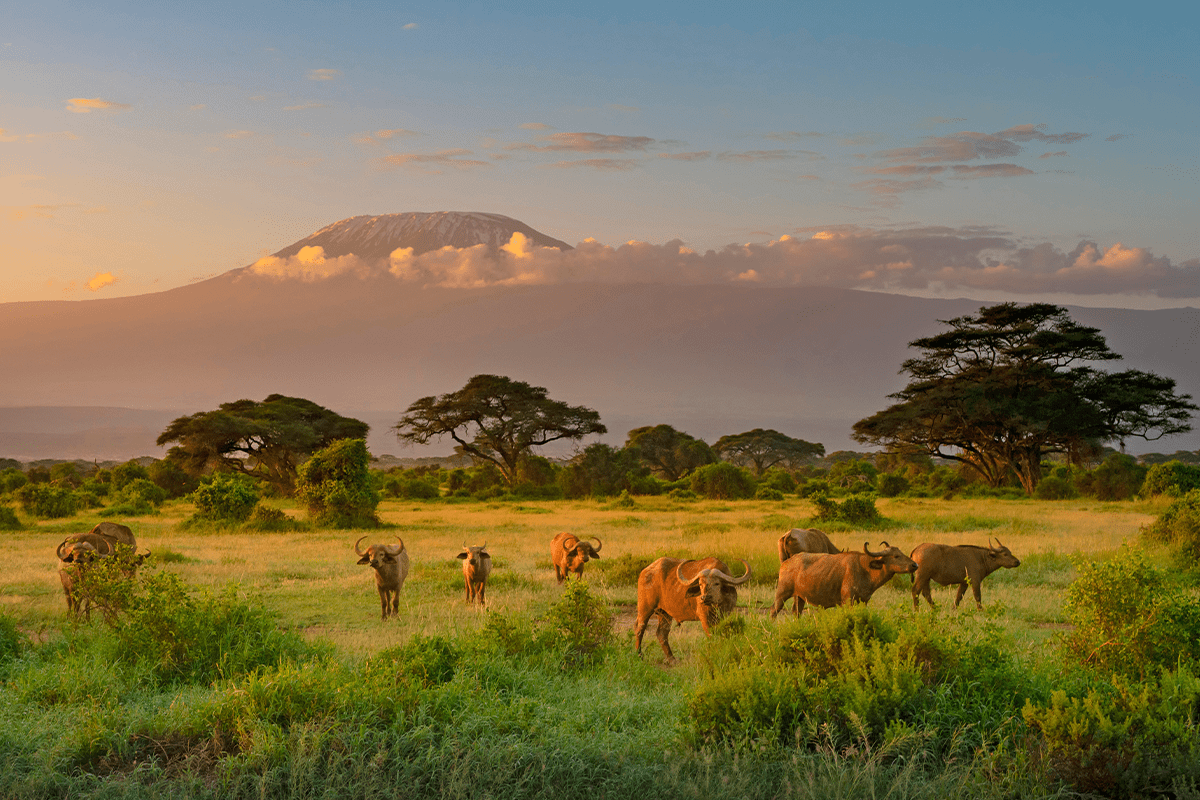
column 477, row 565
column 827, row 580
column 569, row 553
column 957, row 564
column 79, row 551
column 684, row 590
column 804, row 540
column 390, row 562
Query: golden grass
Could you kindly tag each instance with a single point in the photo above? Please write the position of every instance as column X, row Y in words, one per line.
column 312, row 581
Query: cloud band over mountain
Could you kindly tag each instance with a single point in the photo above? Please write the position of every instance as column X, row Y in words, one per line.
column 910, row 260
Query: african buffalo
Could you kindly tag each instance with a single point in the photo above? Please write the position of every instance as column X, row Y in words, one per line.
column 569, row 553
column 957, row 564
column 804, row 540
column 827, row 580
column 390, row 562
column 684, row 590
column 477, row 565
column 79, row 551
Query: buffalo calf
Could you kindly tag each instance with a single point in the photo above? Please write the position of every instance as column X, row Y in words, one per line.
column 390, row 562
column 477, row 565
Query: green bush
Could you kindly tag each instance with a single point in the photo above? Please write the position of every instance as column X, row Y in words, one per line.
column 1120, row 477
column 172, row 478
column 1128, row 620
column 46, row 500
column 8, row 520
column 779, row 480
column 266, row 519
column 12, row 641
column 622, row 570
column 767, row 493
column 424, row 660
column 1173, row 478
column 225, row 498
column 857, row 509
column 126, row 473
column 12, row 479
column 335, row 484
column 411, row 488
column 1054, row 487
column 138, row 496
column 1179, row 526
column 891, row 484
column 723, row 481
column 582, row 623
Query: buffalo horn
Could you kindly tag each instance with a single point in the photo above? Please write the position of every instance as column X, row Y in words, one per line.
column 59, row 551
column 679, row 574
column 867, row 550
column 394, row 550
column 730, row 579
column 599, row 543
column 358, row 552
column 569, row 542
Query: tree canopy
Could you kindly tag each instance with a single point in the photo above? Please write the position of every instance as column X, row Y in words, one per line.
column 668, row 453
column 1001, row 389
column 496, row 419
column 762, row 449
column 267, row 440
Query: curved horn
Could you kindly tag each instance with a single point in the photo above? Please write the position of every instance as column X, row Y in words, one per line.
column 599, row 543
column 679, row 573
column 358, row 552
column 732, row 581
column 59, row 551
column 401, row 541
column 867, row 550
column 569, row 542
column 1000, row 543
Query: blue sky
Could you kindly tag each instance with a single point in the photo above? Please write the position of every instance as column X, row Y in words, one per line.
column 1027, row 151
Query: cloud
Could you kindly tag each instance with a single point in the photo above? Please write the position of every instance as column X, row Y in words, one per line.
column 1116, row 137
column 962, row 146
column 846, row 256
column 5, row 136
column 100, row 280
column 764, row 155
column 310, row 264
column 907, row 169
column 586, row 143
column 1026, row 133
column 891, row 187
column 380, row 136
column 303, row 106
column 697, row 156
column 964, row 171
column 431, row 161
column 1054, row 154
column 323, row 74
column 535, row 126
column 625, row 109
column 86, row 105
column 239, row 134
column 38, row 211
column 940, row 121
column 788, row 136
column 412, row 26
column 608, row 164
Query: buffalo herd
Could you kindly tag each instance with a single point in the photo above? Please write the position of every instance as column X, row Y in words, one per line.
column 812, row 571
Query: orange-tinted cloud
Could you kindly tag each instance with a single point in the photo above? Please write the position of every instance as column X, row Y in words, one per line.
column 586, row 143
column 1054, row 154
column 310, row 264
column 380, row 136
column 962, row 146
column 86, row 105
column 100, row 280
column 430, row 162
column 1026, row 133
column 700, row 155
column 964, row 171
column 323, row 74
column 605, row 164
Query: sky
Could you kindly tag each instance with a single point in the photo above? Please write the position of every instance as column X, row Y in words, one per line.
column 1028, row 151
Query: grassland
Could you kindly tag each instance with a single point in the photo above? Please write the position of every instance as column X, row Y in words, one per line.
column 75, row 723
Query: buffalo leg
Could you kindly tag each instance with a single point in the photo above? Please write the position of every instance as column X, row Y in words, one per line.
column 920, row 590
column 962, row 589
column 782, row 593
column 664, row 630
column 975, row 591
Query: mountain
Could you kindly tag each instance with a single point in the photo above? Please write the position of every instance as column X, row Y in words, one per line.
column 708, row 359
column 374, row 238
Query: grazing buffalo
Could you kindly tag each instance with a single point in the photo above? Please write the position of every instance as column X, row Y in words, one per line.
column 804, row 540
column 682, row 591
column 477, row 565
column 390, row 562
column 957, row 564
column 827, row 580
column 569, row 553
column 79, row 551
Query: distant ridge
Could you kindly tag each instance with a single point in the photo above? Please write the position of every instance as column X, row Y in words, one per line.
column 376, row 237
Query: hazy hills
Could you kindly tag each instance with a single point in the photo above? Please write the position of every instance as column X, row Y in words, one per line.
column 709, row 359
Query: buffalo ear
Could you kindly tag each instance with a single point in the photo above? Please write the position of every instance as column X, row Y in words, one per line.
column 595, row 554
column 463, row 554
column 389, row 558
column 365, row 560
column 876, row 564
column 692, row 591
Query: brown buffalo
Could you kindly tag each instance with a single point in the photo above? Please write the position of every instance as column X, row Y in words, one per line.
column 390, row 562
column 682, row 591
column 827, row 580
column 569, row 553
column 477, row 565
column 804, row 540
column 116, row 533
column 957, row 564
column 79, row 551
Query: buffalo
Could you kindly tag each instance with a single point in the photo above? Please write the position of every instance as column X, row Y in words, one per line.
column 477, row 565
column 804, row 540
column 390, row 562
column 569, row 553
column 827, row 580
column 957, row 564
column 79, row 551
column 684, row 590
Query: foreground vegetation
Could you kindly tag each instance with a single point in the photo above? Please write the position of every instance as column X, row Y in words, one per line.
column 246, row 663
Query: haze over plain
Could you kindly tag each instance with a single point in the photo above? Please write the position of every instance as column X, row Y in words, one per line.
column 1039, row 154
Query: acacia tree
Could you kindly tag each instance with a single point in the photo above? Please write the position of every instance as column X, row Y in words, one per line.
column 668, row 452
column 762, row 449
column 266, row 440
column 496, row 419
column 1000, row 390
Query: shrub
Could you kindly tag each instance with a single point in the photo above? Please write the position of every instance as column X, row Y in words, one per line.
column 891, row 484
column 1179, row 526
column 411, row 488
column 138, row 496
column 424, row 660
column 335, row 484
column 723, row 481
column 12, row 641
column 857, row 510
column 1054, row 487
column 779, row 480
column 266, row 520
column 623, row 570
column 126, row 473
column 46, row 500
column 582, row 624
column 1173, row 478
column 814, row 486
column 767, row 493
column 172, row 478
column 1120, row 477
column 12, row 479
column 8, row 520
column 225, row 498
column 1128, row 620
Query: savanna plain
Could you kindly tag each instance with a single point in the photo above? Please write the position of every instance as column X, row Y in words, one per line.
column 257, row 665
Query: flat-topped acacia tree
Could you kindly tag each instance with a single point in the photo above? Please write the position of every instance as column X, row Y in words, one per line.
column 1000, row 390
column 496, row 419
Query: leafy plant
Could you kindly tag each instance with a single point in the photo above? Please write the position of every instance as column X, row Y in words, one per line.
column 225, row 498
column 46, row 500
column 8, row 520
column 582, row 623
column 723, row 481
column 1173, row 478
